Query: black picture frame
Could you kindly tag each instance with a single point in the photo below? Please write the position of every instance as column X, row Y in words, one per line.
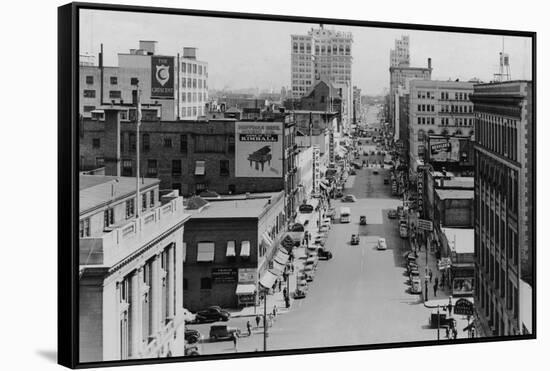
column 68, row 131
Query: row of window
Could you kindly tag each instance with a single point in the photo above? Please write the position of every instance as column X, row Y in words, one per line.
column 498, row 135
column 425, row 94
column 485, row 298
column 152, row 169
column 112, row 79
column 193, row 83
column 193, row 97
column 193, row 68
column 444, row 121
column 113, row 94
column 192, row 111
column 109, row 217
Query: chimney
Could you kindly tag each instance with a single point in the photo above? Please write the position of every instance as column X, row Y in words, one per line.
column 430, row 63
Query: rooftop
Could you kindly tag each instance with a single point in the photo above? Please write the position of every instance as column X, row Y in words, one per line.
column 237, row 206
column 96, row 190
column 461, row 240
column 455, row 194
column 459, row 182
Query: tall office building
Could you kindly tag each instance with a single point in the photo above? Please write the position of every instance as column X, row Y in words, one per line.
column 400, row 57
column 504, row 206
column 321, row 54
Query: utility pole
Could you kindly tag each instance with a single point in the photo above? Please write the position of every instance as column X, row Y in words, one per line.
column 265, row 320
column 138, row 124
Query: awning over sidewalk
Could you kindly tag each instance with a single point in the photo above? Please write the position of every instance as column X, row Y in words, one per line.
column 245, row 289
column 281, row 257
column 268, row 279
column 278, row 267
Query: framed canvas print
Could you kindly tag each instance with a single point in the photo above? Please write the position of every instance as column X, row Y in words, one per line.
column 244, row 185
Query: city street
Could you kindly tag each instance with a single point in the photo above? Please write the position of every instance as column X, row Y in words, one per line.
column 360, row 296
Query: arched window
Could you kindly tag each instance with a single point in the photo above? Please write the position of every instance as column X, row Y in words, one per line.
column 458, row 132
column 444, row 132
column 430, row 132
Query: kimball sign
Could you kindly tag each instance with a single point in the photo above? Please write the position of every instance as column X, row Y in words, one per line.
column 162, row 77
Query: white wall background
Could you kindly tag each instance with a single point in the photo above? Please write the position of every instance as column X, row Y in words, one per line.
column 29, row 182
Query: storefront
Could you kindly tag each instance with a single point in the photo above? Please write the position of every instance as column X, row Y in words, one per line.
column 462, row 279
column 246, row 288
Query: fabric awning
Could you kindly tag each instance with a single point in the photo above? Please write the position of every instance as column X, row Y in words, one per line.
column 245, row 249
column 325, row 181
column 230, row 249
column 268, row 279
column 322, row 185
column 205, row 252
column 281, row 257
column 278, row 267
column 199, row 168
column 245, row 289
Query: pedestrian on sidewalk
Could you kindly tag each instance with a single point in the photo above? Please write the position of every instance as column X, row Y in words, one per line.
column 280, row 285
column 257, row 321
column 436, row 280
column 447, row 334
column 248, row 327
column 274, row 311
column 431, row 274
column 455, row 333
column 284, row 292
column 435, row 291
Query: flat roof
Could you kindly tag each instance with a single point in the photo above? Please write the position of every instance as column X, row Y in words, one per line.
column 467, row 182
column 236, row 207
column 96, row 190
column 461, row 238
column 462, row 194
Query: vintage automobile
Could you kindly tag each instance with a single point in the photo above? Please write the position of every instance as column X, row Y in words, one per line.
column 355, row 239
column 223, row 332
column 381, row 245
column 192, row 335
column 299, row 293
column 416, row 286
column 324, row 253
column 212, row 314
column 392, row 214
column 363, row 220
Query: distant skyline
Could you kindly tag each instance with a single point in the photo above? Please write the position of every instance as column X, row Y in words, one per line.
column 256, row 54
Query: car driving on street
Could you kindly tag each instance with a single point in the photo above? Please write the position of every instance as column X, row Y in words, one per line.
column 381, row 244
column 392, row 214
column 363, row 220
column 355, row 239
column 349, row 198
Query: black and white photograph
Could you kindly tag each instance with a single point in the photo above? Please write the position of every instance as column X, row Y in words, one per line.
column 249, row 186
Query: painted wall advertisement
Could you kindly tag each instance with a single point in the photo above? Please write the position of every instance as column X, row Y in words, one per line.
column 162, row 77
column 259, row 149
column 443, row 149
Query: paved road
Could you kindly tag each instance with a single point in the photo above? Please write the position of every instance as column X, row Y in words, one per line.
column 359, row 297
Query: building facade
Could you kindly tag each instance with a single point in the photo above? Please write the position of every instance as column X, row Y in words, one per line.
column 183, row 94
column 399, row 76
column 190, row 156
column 399, row 56
column 131, row 254
column 440, row 108
column 503, row 203
column 321, row 54
column 228, row 244
column 193, row 86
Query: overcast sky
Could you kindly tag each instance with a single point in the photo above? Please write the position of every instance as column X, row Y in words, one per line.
column 248, row 54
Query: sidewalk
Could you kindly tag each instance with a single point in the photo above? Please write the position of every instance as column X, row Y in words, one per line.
column 276, row 299
column 443, row 293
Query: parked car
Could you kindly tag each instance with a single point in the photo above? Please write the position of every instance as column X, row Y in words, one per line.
column 349, row 198
column 212, row 314
column 392, row 214
column 324, row 253
column 192, row 350
column 381, row 244
column 299, row 293
column 339, row 193
column 375, row 172
column 386, row 181
column 192, row 335
column 352, row 172
column 330, row 213
column 363, row 220
column 223, row 332
column 355, row 239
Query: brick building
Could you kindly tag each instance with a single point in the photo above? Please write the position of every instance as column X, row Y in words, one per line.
column 229, row 244
column 190, row 156
column 504, row 203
